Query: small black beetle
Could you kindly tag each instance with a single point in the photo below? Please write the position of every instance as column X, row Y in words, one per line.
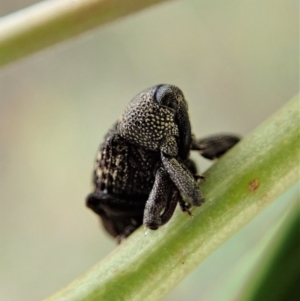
column 143, row 168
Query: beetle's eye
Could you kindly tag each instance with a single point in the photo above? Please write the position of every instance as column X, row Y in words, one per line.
column 166, row 97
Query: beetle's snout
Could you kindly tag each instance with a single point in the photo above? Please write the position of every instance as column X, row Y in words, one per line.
column 184, row 127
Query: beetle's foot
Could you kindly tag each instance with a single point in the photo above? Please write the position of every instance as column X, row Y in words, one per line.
column 199, row 177
column 185, row 207
column 127, row 231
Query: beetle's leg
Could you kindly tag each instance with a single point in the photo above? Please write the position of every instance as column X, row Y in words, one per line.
column 215, row 146
column 127, row 231
column 171, row 205
column 183, row 180
column 185, row 207
column 162, row 201
column 191, row 166
column 120, row 215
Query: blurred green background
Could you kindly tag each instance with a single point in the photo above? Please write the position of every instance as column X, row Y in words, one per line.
column 236, row 62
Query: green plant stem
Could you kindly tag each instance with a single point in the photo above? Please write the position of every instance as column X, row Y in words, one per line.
column 246, row 180
column 53, row 21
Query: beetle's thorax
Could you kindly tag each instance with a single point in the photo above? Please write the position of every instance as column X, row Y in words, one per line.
column 145, row 123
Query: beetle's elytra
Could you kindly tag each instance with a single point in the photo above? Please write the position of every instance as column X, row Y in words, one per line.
column 143, row 167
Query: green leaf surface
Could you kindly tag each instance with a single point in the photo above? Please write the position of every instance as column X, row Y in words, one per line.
column 276, row 276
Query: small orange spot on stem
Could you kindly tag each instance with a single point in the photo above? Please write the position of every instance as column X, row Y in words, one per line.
column 253, row 185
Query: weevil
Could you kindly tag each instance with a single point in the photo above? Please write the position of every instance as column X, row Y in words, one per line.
column 143, row 170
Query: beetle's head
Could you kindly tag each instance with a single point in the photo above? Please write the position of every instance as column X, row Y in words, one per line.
column 154, row 115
